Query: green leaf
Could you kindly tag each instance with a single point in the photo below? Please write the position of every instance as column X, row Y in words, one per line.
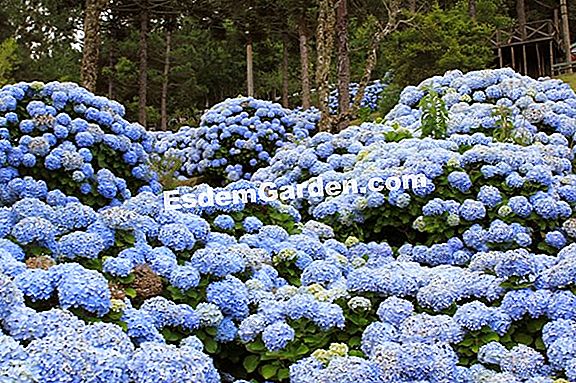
column 523, row 338
column 268, row 371
column 302, row 349
column 255, row 347
column 534, row 326
column 251, row 363
column 175, row 293
column 539, row 344
column 128, row 279
column 130, row 292
column 115, row 315
column 210, row 345
column 124, row 325
column 170, row 336
column 490, row 337
column 283, row 374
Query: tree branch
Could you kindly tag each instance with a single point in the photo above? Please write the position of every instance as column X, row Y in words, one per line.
column 393, row 23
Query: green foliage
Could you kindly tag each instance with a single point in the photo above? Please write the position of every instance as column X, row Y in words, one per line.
column 166, row 166
column 527, row 332
column 438, row 41
column 365, row 115
column 361, row 31
column 389, row 98
column 504, row 124
column 493, row 13
column 8, row 60
column 398, row 134
column 398, row 226
column 570, row 79
column 260, row 363
column 434, row 120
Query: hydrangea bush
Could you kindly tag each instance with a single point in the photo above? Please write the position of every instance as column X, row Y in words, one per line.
column 476, row 102
column 468, row 280
column 60, row 137
column 235, row 138
column 371, row 98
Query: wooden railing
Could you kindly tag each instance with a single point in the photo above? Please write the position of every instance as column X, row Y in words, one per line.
column 563, row 68
column 534, row 31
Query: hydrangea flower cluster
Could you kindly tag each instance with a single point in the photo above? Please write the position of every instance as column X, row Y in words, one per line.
column 467, row 279
column 235, row 138
column 370, row 100
column 476, row 99
column 59, row 136
column 486, row 193
column 60, row 348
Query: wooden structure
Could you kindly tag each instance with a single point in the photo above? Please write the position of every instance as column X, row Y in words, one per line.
column 534, row 50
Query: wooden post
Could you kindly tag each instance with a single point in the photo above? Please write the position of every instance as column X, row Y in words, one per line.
column 551, row 59
column 304, row 65
column 539, row 60
column 249, row 68
column 525, row 59
column 556, row 26
column 521, row 16
column 513, row 58
column 143, row 69
column 566, row 33
column 165, row 79
column 285, row 69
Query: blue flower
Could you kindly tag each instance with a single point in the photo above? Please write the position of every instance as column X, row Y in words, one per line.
column 184, row 277
column 119, row 267
column 472, row 210
column 230, row 295
column 226, row 331
column 555, row 239
column 460, row 181
column 224, row 222
column 277, row 336
column 489, row 196
column 251, row 224
column 176, row 236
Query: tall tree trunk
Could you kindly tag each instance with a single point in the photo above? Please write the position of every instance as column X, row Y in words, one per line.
column 91, row 50
column 343, row 60
column 521, row 15
column 566, row 32
column 304, row 63
column 250, row 67
column 165, row 76
column 472, row 9
column 112, row 54
column 324, row 46
column 111, row 68
column 371, row 61
column 285, row 79
column 143, row 77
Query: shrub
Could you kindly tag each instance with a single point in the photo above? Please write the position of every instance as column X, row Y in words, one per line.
column 471, row 278
column 234, row 138
column 59, row 136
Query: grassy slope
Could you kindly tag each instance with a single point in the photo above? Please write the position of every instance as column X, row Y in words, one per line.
column 570, row 79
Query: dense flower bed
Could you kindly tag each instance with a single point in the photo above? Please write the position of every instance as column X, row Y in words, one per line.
column 60, row 137
column 467, row 280
column 371, row 98
column 235, row 138
column 475, row 102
